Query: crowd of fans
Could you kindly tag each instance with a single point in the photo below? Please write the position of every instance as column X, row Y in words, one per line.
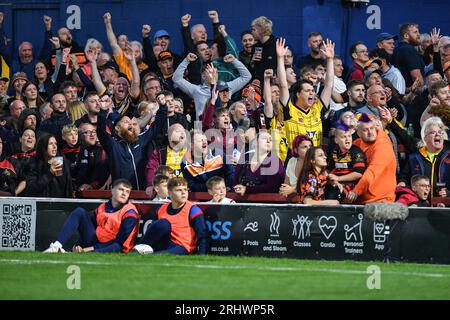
column 253, row 121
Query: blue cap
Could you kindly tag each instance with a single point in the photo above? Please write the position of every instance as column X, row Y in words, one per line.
column 160, row 33
column 386, row 36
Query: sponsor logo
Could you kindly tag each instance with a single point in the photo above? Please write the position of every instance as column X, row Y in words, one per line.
column 303, row 223
column 274, row 225
column 352, row 233
column 252, row 226
column 220, row 229
column 327, row 224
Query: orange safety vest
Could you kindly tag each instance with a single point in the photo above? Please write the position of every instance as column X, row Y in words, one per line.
column 108, row 225
column 181, row 231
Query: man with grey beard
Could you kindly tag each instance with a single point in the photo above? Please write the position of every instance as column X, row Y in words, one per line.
column 127, row 151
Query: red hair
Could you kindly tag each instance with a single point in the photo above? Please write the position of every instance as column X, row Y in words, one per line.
column 297, row 141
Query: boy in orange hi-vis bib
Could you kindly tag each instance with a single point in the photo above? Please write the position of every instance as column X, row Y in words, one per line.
column 112, row 227
column 180, row 228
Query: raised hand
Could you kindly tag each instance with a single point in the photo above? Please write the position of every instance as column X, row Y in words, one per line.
column 435, row 36
column 229, row 58
column 107, row 18
column 211, row 71
column 416, row 87
column 191, row 57
column 281, row 49
column 48, row 23
column 161, row 99
column 55, row 42
column 268, row 74
column 92, row 56
column 185, row 20
column 128, row 52
column 146, row 31
column 328, row 49
column 214, row 94
column 222, row 30
column 385, row 115
column 214, row 16
column 73, row 60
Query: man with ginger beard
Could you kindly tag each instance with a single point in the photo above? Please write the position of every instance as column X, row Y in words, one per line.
column 406, row 58
column 128, row 152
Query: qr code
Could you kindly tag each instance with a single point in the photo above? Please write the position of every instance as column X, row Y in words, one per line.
column 17, row 226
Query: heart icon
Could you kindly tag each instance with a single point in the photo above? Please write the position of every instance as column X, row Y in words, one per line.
column 379, row 227
column 327, row 225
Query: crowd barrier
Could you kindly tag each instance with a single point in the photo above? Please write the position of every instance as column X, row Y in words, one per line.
column 204, row 196
column 270, row 230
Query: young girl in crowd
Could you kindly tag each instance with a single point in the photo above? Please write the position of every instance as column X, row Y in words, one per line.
column 300, row 146
column 313, row 180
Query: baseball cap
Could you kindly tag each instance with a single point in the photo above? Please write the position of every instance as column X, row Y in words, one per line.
column 165, row 55
column 4, row 79
column 446, row 66
column 222, row 86
column 19, row 75
column 369, row 63
column 160, row 33
column 386, row 36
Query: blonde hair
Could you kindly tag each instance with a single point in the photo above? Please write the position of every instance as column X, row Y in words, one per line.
column 144, row 105
column 68, row 129
column 264, row 23
column 91, row 42
column 76, row 110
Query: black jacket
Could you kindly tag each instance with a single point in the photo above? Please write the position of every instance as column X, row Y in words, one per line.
column 268, row 61
column 42, row 183
column 126, row 160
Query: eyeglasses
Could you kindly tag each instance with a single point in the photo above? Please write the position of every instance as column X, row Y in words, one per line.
column 425, row 186
column 434, row 133
column 89, row 132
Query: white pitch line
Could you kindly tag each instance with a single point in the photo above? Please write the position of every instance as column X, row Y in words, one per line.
column 220, row 267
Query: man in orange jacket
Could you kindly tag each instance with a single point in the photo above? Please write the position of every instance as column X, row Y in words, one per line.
column 112, row 227
column 180, row 228
column 379, row 180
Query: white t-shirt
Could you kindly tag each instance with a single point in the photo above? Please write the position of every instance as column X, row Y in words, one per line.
column 223, row 201
column 290, row 170
column 340, row 87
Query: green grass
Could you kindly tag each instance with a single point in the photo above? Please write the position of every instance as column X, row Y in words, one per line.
column 33, row 275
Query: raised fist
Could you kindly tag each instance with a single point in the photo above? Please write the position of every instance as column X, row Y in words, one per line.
column 191, row 57
column 146, row 31
column 229, row 58
column 55, row 41
column 48, row 22
column 161, row 99
column 185, row 20
column 222, row 30
column 107, row 17
column 214, row 16
column 268, row 73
